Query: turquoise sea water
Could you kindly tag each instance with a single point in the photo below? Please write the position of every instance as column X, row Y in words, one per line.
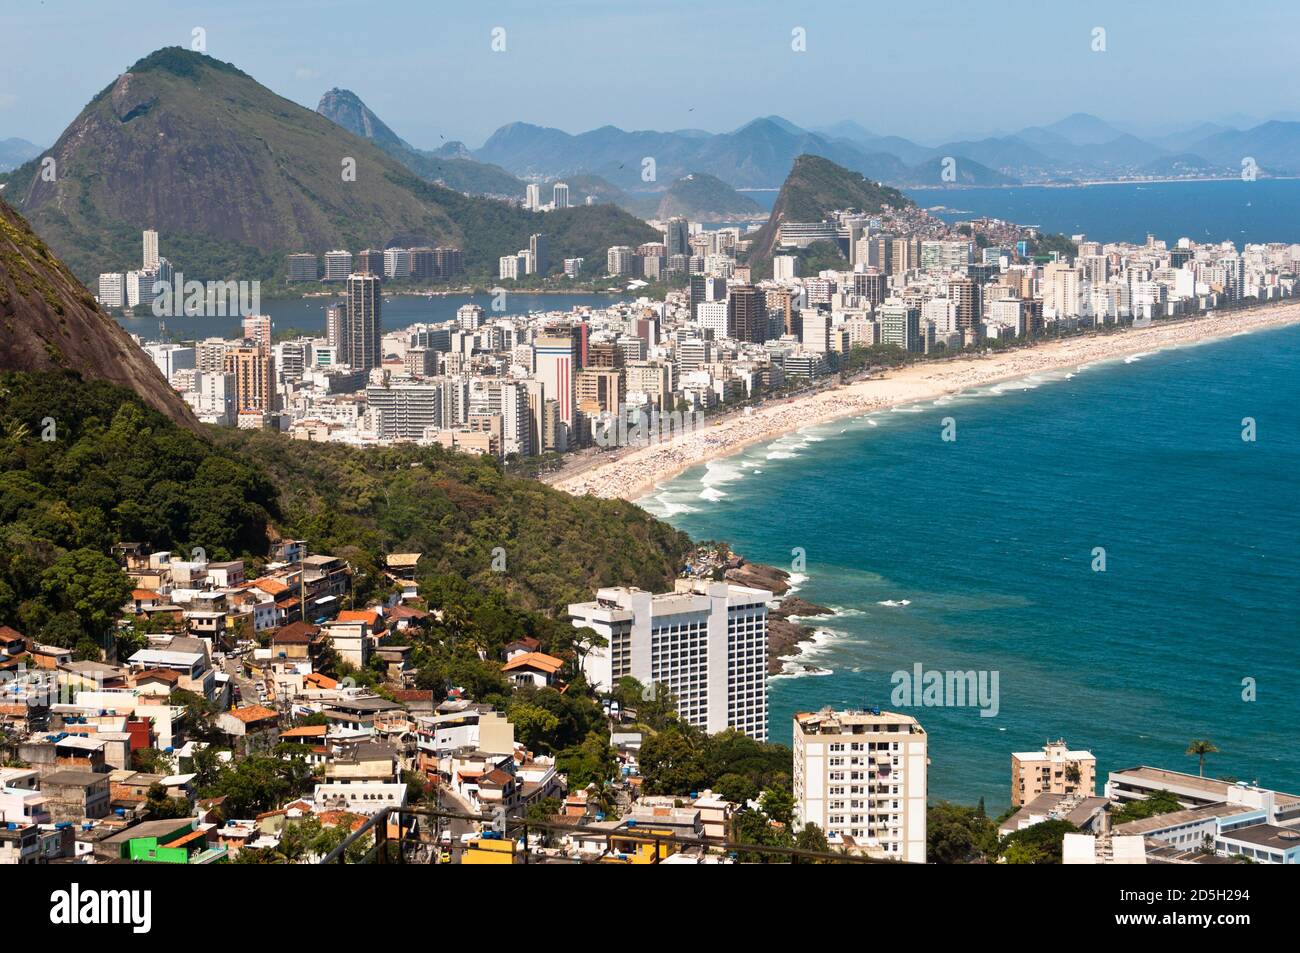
column 990, row 538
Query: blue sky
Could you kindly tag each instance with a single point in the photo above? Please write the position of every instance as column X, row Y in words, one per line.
column 929, row 71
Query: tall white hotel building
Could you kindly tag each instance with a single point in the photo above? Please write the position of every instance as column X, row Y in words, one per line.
column 706, row 641
column 861, row 777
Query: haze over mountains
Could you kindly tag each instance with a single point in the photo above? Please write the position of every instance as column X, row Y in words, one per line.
column 1080, row 147
column 234, row 176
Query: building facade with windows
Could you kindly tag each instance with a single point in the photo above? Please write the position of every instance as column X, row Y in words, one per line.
column 861, row 777
column 706, row 642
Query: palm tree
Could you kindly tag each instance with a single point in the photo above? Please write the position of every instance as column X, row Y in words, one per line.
column 1199, row 748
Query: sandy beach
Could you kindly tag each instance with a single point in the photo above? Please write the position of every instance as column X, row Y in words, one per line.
column 635, row 472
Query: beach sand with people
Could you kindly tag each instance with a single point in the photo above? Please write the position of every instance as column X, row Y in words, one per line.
column 634, row 472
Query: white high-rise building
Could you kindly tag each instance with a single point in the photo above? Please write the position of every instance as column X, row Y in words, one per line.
column 560, row 195
column 112, row 289
column 139, row 288
column 149, row 261
column 397, row 263
column 713, row 316
column 861, row 777
column 338, row 265
column 533, row 197
column 706, row 643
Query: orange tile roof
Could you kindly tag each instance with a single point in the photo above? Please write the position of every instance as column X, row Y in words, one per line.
column 320, row 680
column 359, row 615
column 306, row 731
column 251, row 713
column 271, row 585
column 538, row 660
column 184, row 839
column 143, row 594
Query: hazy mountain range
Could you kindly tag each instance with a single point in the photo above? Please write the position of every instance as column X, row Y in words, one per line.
column 14, row 152
column 1080, row 147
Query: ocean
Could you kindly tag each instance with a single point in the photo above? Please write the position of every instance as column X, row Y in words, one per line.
column 1266, row 210
column 980, row 554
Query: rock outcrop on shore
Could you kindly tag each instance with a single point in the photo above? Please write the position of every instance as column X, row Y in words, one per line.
column 783, row 635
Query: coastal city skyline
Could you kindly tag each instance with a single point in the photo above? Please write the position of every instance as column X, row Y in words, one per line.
column 830, row 476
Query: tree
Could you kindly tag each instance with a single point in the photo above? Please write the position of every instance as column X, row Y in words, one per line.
column 162, row 807
column 956, row 834
column 754, row 827
column 778, row 805
column 1157, row 802
column 1201, row 747
column 811, row 837
column 89, row 584
column 671, row 763
column 735, row 788
column 534, row 726
column 592, row 762
column 1037, row 844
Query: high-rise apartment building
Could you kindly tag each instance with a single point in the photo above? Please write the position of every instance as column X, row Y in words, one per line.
column 302, row 267
column 397, row 263
column 706, row 643
column 149, row 260
column 364, row 322
column 861, row 777
column 555, row 358
column 533, row 196
column 112, row 289
column 257, row 328
column 560, row 195
column 965, row 296
column 336, row 325
column 1054, row 770
column 403, row 410
column 369, row 261
column 541, row 256
column 900, row 325
column 253, row 368
column 747, row 314
column 338, row 265
column 677, row 237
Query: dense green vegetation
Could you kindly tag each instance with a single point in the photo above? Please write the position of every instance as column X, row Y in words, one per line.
column 115, row 470
column 111, row 470
column 1159, row 802
column 700, row 196
column 814, row 188
column 457, row 509
column 1045, row 244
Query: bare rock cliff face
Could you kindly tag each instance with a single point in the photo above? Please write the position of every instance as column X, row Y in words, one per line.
column 50, row 322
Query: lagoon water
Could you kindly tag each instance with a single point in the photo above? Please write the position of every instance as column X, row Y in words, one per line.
column 978, row 554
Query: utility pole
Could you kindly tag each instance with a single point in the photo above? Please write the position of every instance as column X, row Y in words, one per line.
column 302, row 580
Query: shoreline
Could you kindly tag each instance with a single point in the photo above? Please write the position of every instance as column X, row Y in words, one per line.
column 639, row 473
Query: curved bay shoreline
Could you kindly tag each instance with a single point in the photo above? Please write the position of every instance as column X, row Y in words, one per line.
column 635, row 473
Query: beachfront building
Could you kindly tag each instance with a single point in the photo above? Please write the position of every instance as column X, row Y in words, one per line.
column 706, row 642
column 861, row 777
column 1054, row 770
